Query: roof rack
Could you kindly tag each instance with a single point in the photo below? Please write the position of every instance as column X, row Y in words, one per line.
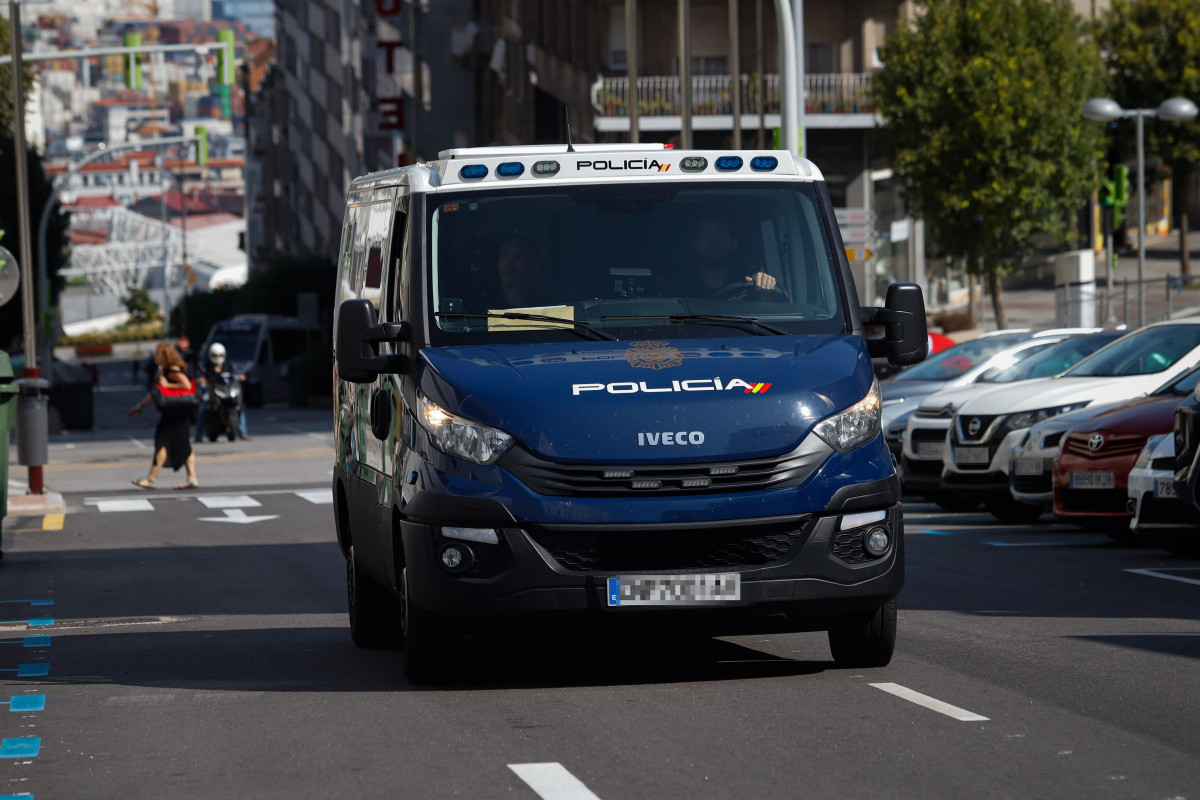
column 542, row 149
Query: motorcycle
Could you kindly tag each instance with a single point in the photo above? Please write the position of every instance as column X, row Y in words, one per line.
column 224, row 406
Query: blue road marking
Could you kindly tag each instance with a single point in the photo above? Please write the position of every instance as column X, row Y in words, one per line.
column 41, row 623
column 37, row 641
column 31, row 602
column 24, row 747
column 25, row 796
column 934, row 533
column 33, row 670
column 27, row 702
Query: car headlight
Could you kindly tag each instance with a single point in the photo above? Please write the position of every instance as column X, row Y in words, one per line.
column 460, row 437
column 1143, row 459
column 1025, row 419
column 853, row 427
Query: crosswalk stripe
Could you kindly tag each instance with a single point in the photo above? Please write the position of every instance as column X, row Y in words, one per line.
column 318, row 497
column 124, row 505
column 229, row 501
column 552, row 781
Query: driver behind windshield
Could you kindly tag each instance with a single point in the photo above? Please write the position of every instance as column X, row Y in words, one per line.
column 719, row 268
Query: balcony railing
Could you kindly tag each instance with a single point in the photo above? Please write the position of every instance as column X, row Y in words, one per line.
column 658, row 95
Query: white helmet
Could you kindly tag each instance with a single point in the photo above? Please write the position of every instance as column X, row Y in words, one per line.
column 216, row 353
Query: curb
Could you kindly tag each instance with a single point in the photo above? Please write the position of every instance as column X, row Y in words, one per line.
column 21, row 504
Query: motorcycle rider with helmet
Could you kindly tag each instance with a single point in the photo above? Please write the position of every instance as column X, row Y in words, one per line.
column 213, row 367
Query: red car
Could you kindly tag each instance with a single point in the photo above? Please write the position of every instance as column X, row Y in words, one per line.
column 1092, row 467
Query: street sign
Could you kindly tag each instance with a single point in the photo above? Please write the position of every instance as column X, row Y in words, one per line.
column 854, row 216
column 10, row 276
column 859, row 254
column 858, row 235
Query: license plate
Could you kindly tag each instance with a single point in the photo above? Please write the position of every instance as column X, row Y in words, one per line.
column 674, row 590
column 1093, row 480
column 1028, row 466
column 971, row 455
column 931, row 450
column 1164, row 487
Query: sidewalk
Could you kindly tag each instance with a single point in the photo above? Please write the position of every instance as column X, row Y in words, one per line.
column 21, row 504
column 1036, row 308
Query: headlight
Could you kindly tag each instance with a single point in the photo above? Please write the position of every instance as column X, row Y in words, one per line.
column 855, row 426
column 1027, row 418
column 1144, row 457
column 460, row 437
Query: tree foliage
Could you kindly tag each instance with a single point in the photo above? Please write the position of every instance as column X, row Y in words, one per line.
column 1152, row 52
column 981, row 103
column 6, row 77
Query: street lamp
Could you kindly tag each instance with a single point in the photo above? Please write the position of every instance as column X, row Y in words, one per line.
column 1175, row 109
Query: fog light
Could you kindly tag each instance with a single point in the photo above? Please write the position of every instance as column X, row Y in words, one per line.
column 456, row 557
column 876, row 541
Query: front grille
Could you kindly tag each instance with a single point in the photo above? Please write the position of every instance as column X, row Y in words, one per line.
column 1052, row 440
column 1092, row 501
column 1077, row 444
column 983, row 428
column 615, row 551
column 848, row 546
column 1032, row 484
column 641, row 478
column 935, row 413
column 1166, row 463
column 929, row 435
column 1154, row 511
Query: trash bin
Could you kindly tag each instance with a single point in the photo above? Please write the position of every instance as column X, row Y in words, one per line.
column 8, row 420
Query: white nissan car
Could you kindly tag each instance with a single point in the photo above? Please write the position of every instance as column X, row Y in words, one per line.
column 985, row 429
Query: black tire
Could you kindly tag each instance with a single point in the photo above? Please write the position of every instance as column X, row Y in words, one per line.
column 869, row 643
column 374, row 616
column 954, row 501
column 433, row 652
column 1010, row 511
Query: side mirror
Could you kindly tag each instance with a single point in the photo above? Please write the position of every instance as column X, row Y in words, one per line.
column 358, row 332
column 905, row 337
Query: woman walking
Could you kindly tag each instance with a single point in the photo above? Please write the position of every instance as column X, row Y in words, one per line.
column 172, row 443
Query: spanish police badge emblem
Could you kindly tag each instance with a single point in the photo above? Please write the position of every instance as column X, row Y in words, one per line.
column 653, row 355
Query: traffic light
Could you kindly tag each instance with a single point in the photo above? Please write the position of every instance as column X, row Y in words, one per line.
column 133, row 62
column 201, row 145
column 225, row 58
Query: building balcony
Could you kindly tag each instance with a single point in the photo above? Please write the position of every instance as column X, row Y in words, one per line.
column 838, row 100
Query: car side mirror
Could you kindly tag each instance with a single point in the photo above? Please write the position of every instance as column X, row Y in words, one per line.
column 905, row 337
column 357, row 338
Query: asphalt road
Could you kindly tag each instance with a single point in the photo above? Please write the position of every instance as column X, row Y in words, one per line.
column 199, row 648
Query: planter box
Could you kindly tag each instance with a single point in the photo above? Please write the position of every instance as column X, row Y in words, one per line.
column 93, row 349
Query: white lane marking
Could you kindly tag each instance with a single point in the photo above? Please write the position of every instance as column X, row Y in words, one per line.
column 933, row 704
column 551, row 781
column 91, row 501
column 229, row 501
column 318, row 497
column 124, row 505
column 139, row 445
column 238, row 516
column 1154, row 573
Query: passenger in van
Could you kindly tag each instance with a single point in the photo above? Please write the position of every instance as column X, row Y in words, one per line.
column 718, row 266
column 517, row 282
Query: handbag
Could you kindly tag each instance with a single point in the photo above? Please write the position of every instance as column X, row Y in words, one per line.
column 171, row 397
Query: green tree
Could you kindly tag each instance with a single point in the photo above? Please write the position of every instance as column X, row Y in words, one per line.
column 39, row 191
column 1152, row 51
column 141, row 306
column 981, row 103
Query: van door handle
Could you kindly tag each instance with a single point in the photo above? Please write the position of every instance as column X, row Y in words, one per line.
column 381, row 413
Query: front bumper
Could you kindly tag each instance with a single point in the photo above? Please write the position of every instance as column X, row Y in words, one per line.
column 797, row 573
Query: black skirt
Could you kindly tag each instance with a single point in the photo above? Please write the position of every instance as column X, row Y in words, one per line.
column 173, row 432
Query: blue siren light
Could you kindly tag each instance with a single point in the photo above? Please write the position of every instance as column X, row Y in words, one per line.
column 764, row 163
column 729, row 163
column 510, row 169
column 473, row 172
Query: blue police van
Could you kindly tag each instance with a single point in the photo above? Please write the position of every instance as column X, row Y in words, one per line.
column 611, row 389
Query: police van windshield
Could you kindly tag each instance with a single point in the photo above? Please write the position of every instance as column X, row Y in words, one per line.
column 622, row 258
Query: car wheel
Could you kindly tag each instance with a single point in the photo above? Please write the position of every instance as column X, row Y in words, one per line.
column 1008, row 510
column 869, row 643
column 373, row 615
column 432, row 650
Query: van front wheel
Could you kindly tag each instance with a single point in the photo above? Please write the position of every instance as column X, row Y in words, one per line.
column 869, row 643
column 373, row 618
column 432, row 650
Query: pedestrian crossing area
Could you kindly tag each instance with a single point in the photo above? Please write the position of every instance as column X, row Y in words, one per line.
column 222, row 502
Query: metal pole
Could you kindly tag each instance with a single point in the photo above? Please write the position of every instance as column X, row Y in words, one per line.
column 632, row 109
column 735, row 72
column 800, row 87
column 28, row 329
column 1141, row 182
column 685, row 74
column 788, row 94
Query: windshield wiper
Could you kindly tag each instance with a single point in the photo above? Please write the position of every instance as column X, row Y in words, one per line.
column 742, row 322
column 582, row 328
